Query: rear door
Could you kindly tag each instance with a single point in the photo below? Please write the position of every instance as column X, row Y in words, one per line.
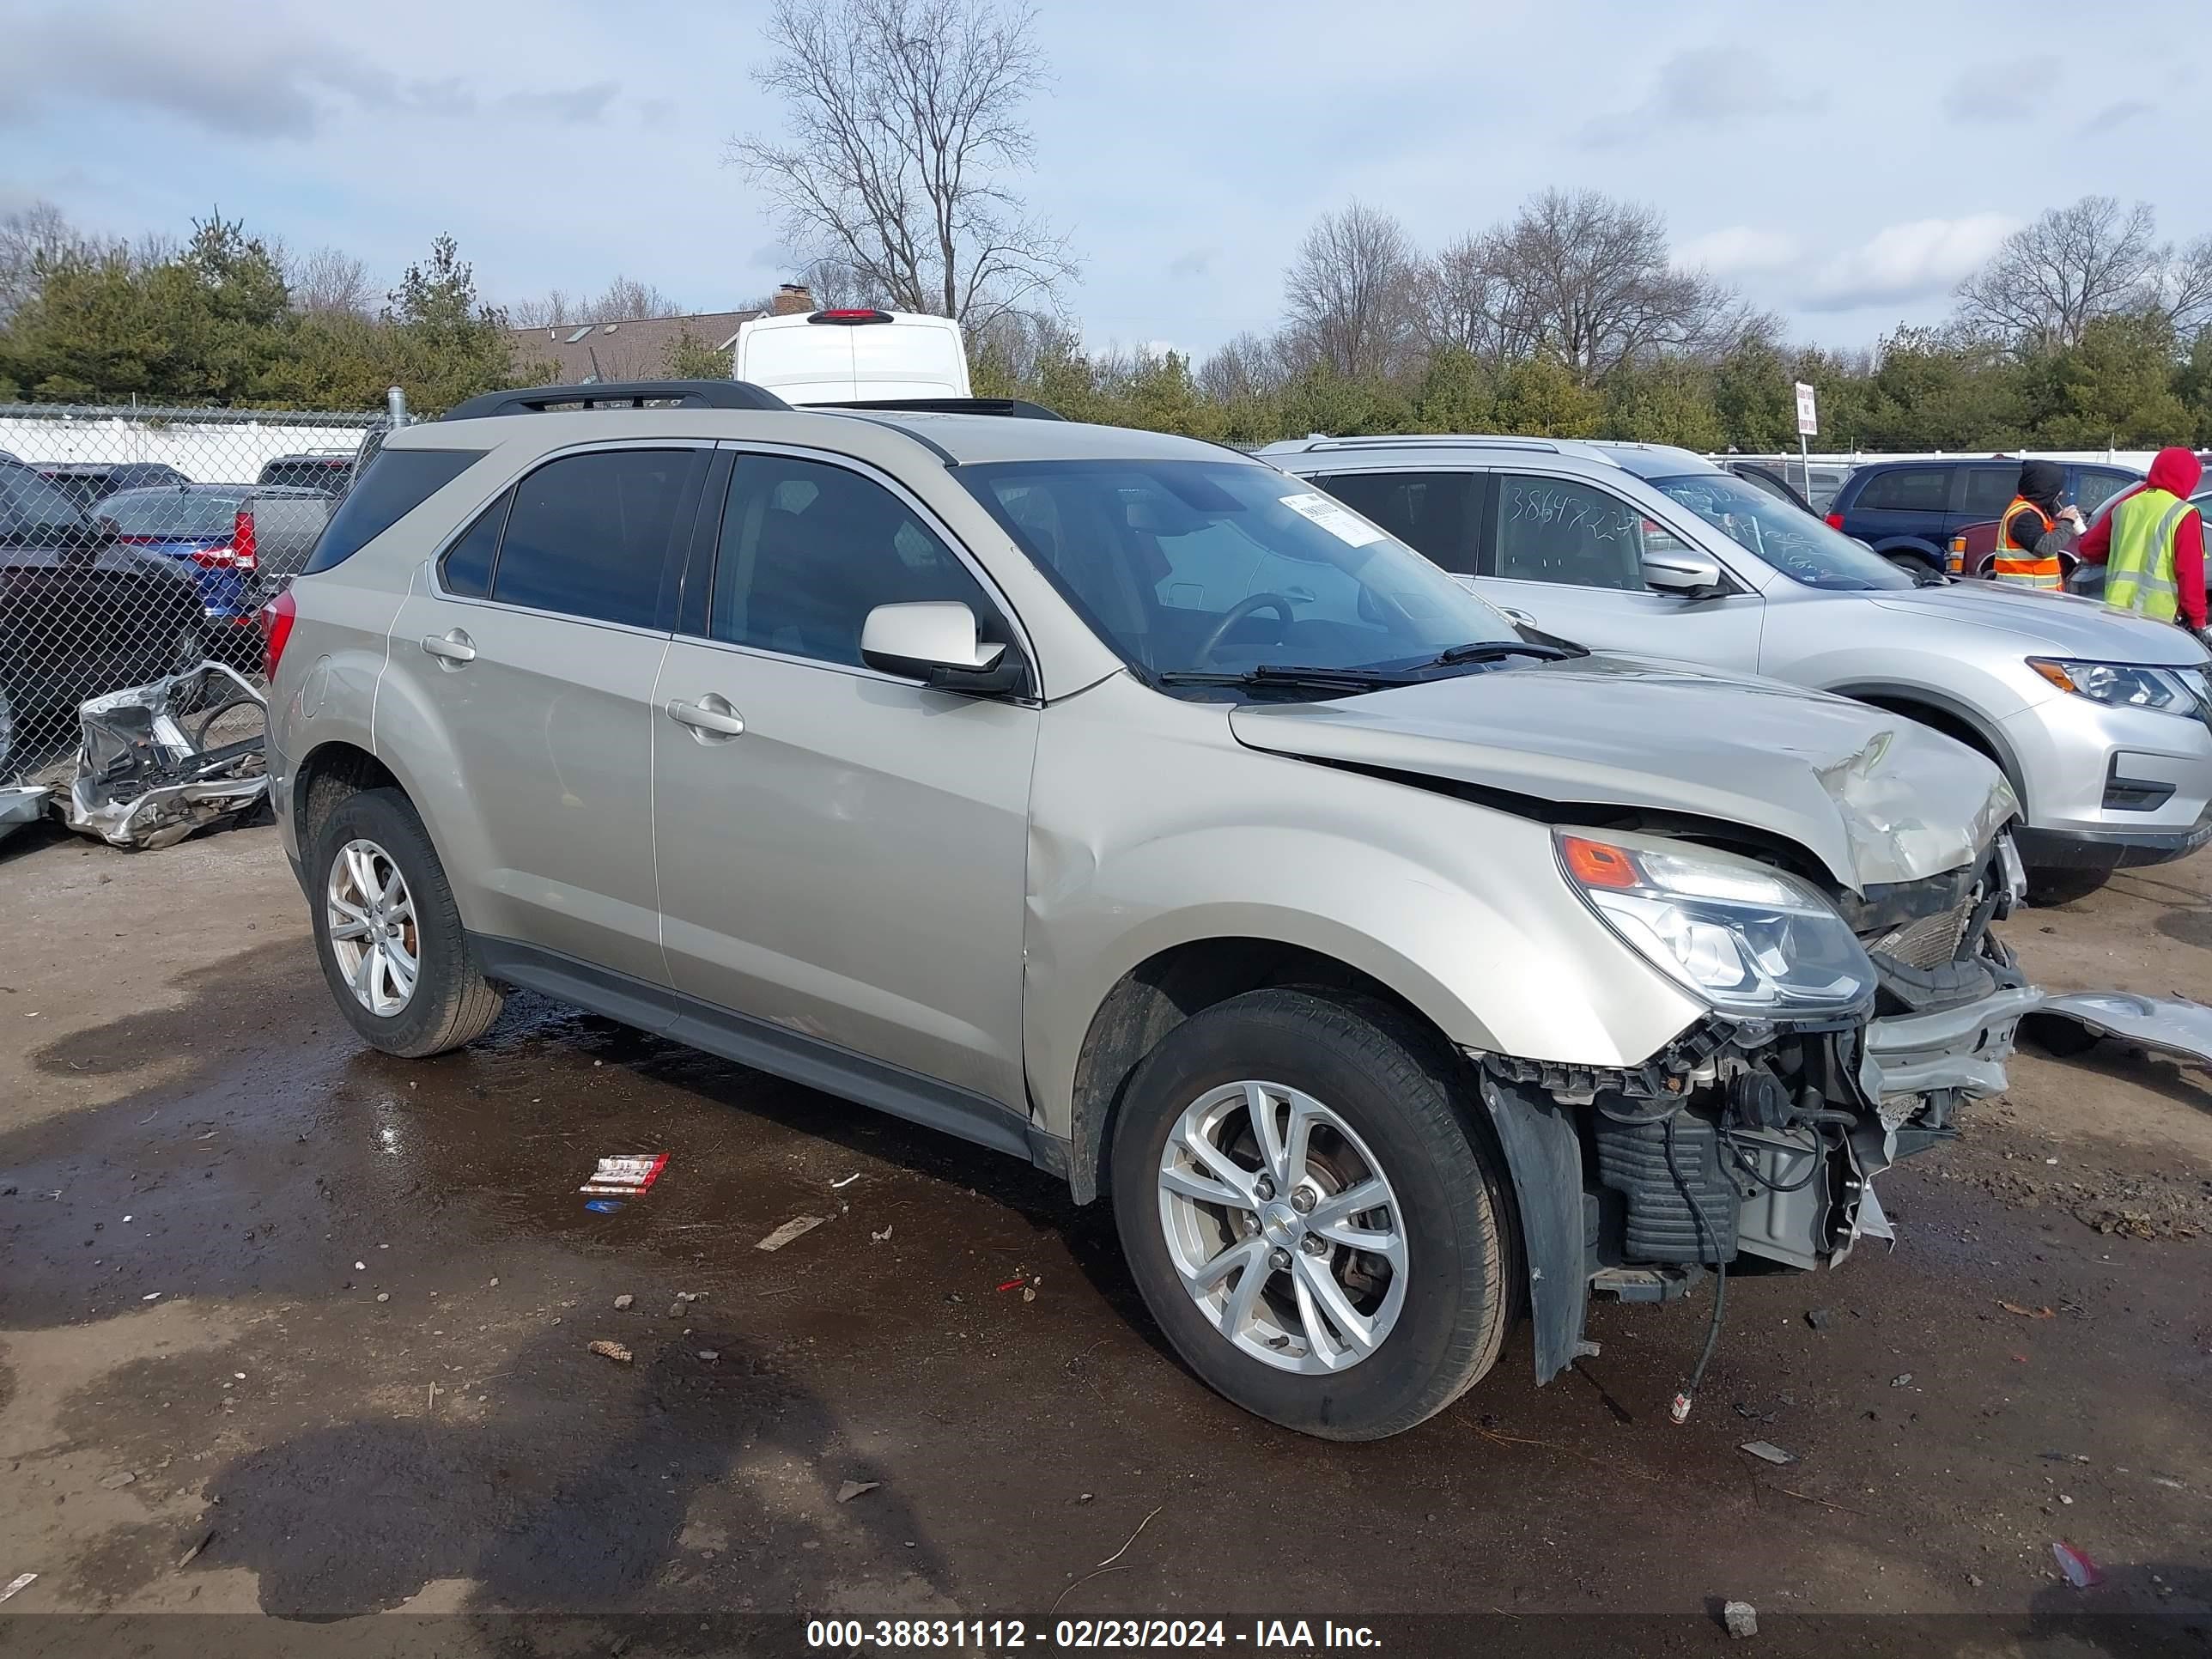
column 1566, row 555
column 1981, row 494
column 1897, row 503
column 532, row 643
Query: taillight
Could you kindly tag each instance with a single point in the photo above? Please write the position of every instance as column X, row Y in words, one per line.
column 215, row 558
column 243, row 553
column 277, row 618
column 850, row 315
column 1835, row 522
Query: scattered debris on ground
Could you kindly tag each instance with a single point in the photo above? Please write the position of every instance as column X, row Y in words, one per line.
column 613, row 1350
column 192, row 1554
column 2027, row 1312
column 797, row 1227
column 2081, row 1571
column 626, row 1175
column 21, row 1580
column 1742, row 1619
column 148, row 775
column 1768, row 1450
column 852, row 1489
column 624, row 1302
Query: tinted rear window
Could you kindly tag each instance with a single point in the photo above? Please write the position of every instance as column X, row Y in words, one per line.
column 1907, row 489
column 1433, row 513
column 1990, row 491
column 393, row 485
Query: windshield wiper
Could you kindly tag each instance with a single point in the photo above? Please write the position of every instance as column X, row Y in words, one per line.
column 1271, row 673
column 1489, row 650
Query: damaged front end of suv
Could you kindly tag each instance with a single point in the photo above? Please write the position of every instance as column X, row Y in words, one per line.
column 1847, row 1028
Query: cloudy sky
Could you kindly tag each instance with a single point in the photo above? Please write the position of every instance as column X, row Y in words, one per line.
column 1844, row 166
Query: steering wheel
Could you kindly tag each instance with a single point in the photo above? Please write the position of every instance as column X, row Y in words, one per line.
column 1243, row 608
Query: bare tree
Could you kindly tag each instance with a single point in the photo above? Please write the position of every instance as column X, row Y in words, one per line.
column 1462, row 299
column 2186, row 287
column 1243, row 366
column 1349, row 292
column 1590, row 278
column 32, row 241
column 902, row 123
column 2051, row 279
column 624, row 299
column 329, row 280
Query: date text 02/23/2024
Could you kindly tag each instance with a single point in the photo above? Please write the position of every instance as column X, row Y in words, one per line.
column 1009, row 1635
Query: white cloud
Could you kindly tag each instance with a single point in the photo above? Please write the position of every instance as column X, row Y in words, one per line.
column 1736, row 249
column 1706, row 86
column 1991, row 92
column 1916, row 260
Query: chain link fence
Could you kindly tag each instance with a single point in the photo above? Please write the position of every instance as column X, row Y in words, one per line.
column 136, row 543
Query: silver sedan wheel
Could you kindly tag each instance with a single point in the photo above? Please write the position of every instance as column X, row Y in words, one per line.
column 1283, row 1227
column 372, row 930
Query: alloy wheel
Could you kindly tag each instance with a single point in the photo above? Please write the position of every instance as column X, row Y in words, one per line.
column 1283, row 1227
column 374, row 935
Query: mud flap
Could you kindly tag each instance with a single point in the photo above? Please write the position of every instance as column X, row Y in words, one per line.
column 1545, row 1155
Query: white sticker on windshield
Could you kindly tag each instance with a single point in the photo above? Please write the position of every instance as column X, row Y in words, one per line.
column 1346, row 526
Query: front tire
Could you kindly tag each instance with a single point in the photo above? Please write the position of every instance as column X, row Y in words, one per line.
column 388, row 933
column 1313, row 1213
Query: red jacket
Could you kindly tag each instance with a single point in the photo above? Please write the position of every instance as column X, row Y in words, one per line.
column 2177, row 472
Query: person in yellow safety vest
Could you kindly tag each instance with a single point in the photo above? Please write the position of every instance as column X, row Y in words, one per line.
column 2034, row 530
column 2152, row 545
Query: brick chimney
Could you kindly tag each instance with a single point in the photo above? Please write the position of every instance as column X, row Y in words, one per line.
column 792, row 300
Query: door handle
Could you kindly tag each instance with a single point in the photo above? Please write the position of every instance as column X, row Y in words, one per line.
column 451, row 649
column 711, row 719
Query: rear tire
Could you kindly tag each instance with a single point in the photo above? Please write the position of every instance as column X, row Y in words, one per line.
column 1387, row 1102
column 373, row 844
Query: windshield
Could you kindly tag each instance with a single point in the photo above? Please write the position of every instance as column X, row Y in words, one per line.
column 171, row 512
column 1793, row 541
column 1221, row 567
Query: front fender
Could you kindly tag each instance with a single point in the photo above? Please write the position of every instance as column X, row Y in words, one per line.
column 1143, row 841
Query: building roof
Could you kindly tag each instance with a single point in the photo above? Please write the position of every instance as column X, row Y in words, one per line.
column 633, row 349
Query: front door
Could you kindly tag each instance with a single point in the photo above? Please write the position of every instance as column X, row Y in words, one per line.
column 530, row 647
column 843, row 853
column 1567, row 556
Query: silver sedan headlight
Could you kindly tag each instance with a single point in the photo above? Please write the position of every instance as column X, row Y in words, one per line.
column 1744, row 938
column 2125, row 685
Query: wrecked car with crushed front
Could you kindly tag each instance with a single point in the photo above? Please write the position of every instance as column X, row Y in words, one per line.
column 1120, row 803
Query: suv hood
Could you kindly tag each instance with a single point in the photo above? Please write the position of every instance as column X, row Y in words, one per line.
column 2051, row 624
column 1875, row 797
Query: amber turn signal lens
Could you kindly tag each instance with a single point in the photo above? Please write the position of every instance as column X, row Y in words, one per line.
column 1595, row 864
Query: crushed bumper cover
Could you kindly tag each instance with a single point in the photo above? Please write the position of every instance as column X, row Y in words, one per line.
column 145, row 781
column 1909, row 1057
column 2174, row 1025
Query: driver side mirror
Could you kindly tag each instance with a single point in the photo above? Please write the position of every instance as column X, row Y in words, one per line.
column 936, row 641
column 1684, row 572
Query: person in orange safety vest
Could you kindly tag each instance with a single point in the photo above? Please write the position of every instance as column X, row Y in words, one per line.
column 2035, row 529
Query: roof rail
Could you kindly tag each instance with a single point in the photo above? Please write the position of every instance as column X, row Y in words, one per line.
column 1435, row 441
column 1018, row 408
column 618, row 394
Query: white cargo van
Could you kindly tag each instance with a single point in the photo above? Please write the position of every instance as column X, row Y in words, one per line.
column 853, row 355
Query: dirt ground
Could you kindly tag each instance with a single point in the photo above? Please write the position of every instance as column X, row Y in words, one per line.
column 292, row 1330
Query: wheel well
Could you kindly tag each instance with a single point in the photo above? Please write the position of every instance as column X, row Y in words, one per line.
column 1160, row 994
column 326, row 776
column 1952, row 724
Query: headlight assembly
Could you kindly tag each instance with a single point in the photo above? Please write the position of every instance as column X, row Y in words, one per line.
column 2121, row 685
column 1744, row 938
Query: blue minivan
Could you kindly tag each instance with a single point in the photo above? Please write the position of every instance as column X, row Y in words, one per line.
column 1907, row 511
